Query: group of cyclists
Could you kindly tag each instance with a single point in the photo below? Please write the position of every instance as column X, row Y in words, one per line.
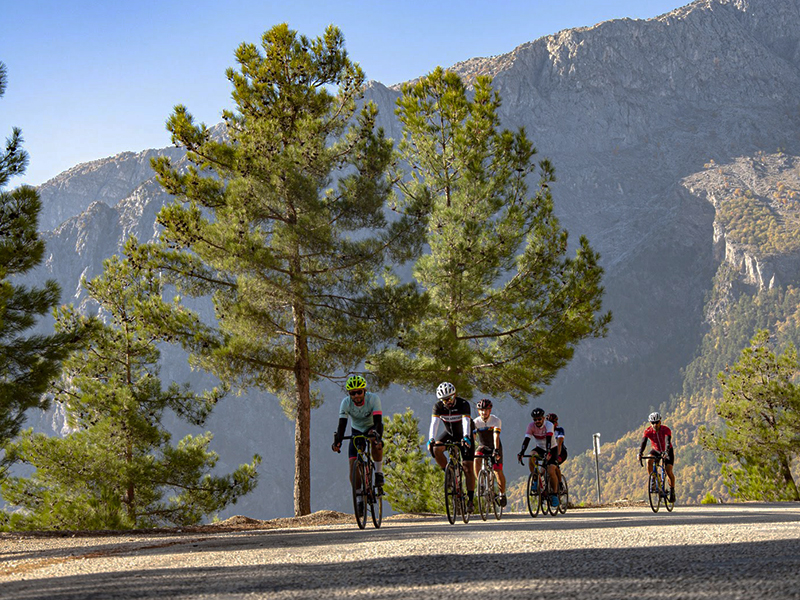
column 452, row 422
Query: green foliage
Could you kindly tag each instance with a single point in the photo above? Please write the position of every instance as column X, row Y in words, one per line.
column 760, row 409
column 28, row 363
column 283, row 222
column 413, row 483
column 117, row 468
column 752, row 221
column 506, row 306
column 709, row 499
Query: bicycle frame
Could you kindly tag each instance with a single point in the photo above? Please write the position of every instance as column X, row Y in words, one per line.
column 362, row 472
column 657, row 485
column 541, row 499
column 487, row 480
column 455, row 492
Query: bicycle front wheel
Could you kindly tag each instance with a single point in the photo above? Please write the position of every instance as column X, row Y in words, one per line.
column 358, row 480
column 532, row 493
column 495, row 487
column 450, row 492
column 462, row 493
column 654, row 491
column 563, row 495
column 484, row 496
column 669, row 505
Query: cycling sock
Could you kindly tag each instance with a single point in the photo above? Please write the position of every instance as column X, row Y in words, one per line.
column 470, row 494
column 379, row 466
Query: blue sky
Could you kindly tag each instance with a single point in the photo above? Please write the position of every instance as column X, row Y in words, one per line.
column 90, row 79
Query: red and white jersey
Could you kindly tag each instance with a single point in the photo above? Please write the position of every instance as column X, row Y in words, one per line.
column 540, row 433
column 658, row 438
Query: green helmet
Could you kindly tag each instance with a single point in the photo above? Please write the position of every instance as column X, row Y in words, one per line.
column 355, row 382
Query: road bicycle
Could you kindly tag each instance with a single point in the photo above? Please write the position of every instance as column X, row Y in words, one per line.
column 537, row 491
column 367, row 498
column 488, row 488
column 455, row 483
column 657, row 490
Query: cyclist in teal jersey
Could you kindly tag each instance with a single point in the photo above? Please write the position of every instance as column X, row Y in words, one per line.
column 366, row 416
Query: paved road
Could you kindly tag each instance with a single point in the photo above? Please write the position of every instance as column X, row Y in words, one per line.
column 741, row 551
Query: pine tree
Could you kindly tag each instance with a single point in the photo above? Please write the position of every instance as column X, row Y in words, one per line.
column 506, row 306
column 117, row 467
column 283, row 222
column 760, row 409
column 28, row 363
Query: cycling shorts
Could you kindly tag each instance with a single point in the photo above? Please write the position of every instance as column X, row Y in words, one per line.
column 497, row 464
column 467, row 452
column 362, row 443
column 670, row 459
column 552, row 458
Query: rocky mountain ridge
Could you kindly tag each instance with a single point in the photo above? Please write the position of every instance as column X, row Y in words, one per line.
column 629, row 112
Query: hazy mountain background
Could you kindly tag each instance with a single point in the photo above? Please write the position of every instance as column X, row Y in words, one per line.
column 676, row 144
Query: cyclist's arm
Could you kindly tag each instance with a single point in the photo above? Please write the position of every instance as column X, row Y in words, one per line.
column 435, row 423
column 377, row 420
column 643, row 446
column 525, row 441
column 496, row 439
column 340, row 430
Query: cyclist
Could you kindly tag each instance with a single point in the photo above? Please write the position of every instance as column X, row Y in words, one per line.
column 561, row 448
column 487, row 443
column 451, row 421
column 364, row 410
column 660, row 438
column 542, row 433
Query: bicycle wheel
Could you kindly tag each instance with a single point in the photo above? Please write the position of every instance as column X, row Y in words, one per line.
column 484, row 495
column 563, row 496
column 462, row 493
column 654, row 491
column 552, row 510
column 494, row 486
column 667, row 504
column 450, row 492
column 375, row 501
column 358, row 477
column 534, row 499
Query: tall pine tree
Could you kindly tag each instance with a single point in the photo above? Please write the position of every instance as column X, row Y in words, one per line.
column 117, row 467
column 28, row 362
column 282, row 220
column 506, row 305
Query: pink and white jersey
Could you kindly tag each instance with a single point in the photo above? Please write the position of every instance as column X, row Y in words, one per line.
column 540, row 433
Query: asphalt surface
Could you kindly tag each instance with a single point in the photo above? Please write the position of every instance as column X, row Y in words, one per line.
column 718, row 551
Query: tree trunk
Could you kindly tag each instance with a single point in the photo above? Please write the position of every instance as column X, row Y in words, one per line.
column 786, row 472
column 302, row 422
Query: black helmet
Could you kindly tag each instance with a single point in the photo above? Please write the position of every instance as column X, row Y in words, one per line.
column 537, row 412
column 484, row 403
column 552, row 417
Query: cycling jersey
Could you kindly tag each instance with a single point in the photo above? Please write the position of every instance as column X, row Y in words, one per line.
column 361, row 417
column 541, row 434
column 456, row 419
column 658, row 438
column 484, row 430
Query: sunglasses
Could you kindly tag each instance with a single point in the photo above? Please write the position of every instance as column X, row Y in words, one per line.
column 355, row 393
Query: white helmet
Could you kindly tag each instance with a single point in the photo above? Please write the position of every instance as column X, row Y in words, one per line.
column 445, row 389
column 654, row 417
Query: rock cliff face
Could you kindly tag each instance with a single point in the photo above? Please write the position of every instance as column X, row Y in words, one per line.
column 627, row 111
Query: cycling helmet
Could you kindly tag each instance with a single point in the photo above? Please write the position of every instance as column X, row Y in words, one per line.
column 654, row 417
column 537, row 412
column 552, row 417
column 445, row 389
column 355, row 382
column 484, row 403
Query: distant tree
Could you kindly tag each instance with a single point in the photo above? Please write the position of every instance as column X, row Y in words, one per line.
column 760, row 436
column 283, row 222
column 506, row 306
column 117, row 468
column 413, row 482
column 28, row 363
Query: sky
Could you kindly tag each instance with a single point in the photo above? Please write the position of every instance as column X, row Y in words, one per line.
column 91, row 79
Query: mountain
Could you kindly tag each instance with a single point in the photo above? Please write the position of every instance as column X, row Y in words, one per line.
column 632, row 114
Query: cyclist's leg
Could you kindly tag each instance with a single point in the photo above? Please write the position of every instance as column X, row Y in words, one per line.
column 669, row 461
column 469, row 456
column 438, row 451
column 498, row 471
